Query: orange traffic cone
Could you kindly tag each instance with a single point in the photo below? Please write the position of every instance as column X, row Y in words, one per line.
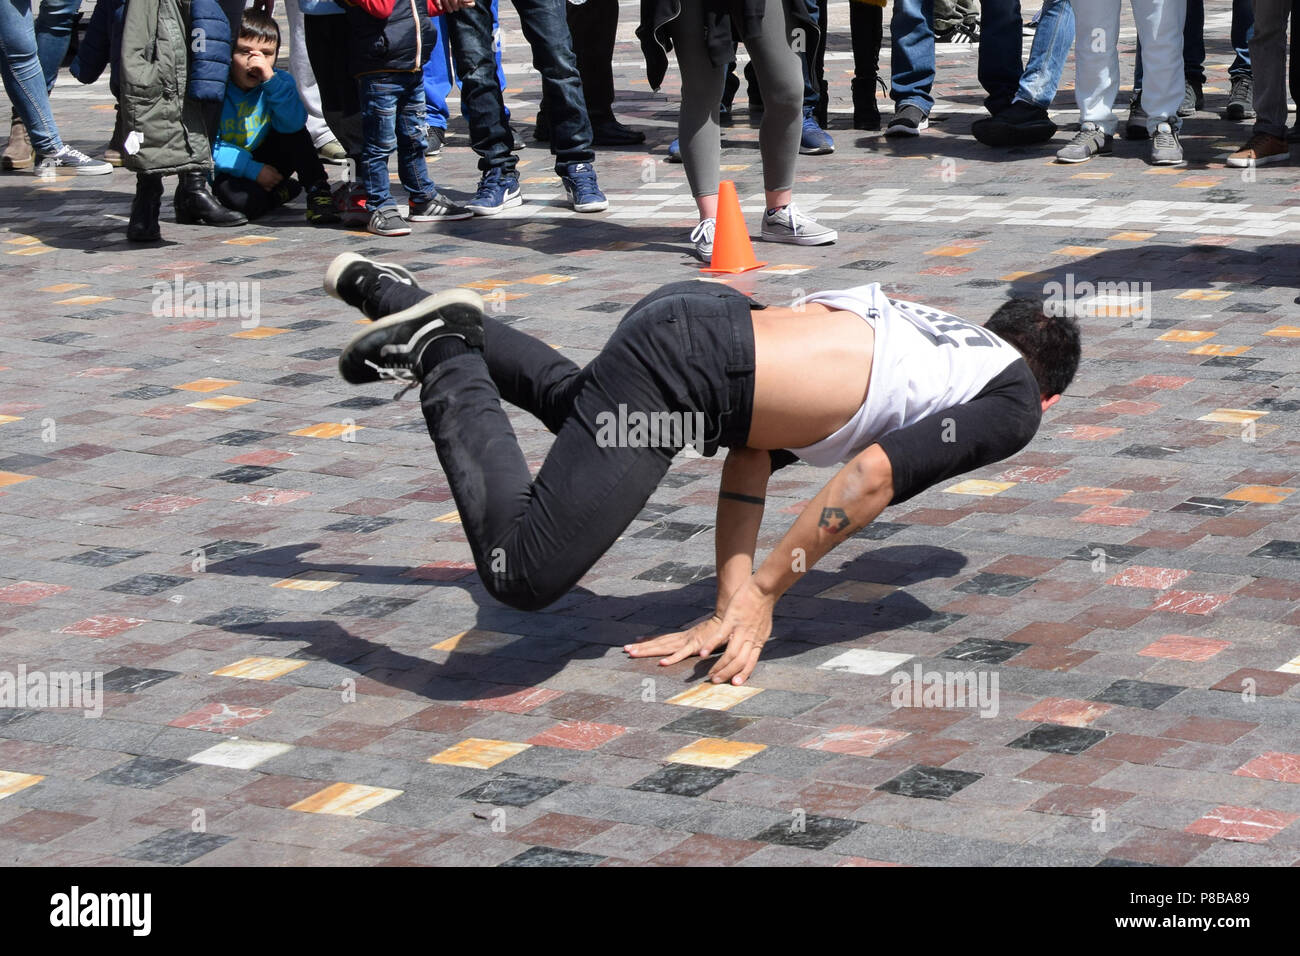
column 732, row 250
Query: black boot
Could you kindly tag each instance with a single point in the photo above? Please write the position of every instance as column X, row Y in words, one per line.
column 145, row 207
column 866, row 114
column 195, row 204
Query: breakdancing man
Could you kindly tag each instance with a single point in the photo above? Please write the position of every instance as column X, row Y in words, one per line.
column 900, row 395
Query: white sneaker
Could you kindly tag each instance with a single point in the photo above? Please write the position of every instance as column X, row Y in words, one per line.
column 792, row 226
column 702, row 236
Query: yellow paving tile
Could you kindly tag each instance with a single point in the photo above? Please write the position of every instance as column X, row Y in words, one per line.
column 547, row 278
column 487, row 285
column 1232, row 416
column 787, row 269
column 1092, row 175
column 1219, row 350
column 314, row 581
column 714, row 696
column 30, row 251
column 1197, row 182
column 221, row 403
column 1079, row 250
column 23, row 241
column 346, row 799
column 976, row 486
column 1260, row 494
column 1204, row 295
column 451, row 517
column 325, row 430
column 1285, row 332
column 953, row 251
column 12, row 478
column 207, row 384
column 1235, row 431
column 65, row 287
column 734, row 167
column 260, row 668
column 1132, row 236
column 1185, row 335
column 1163, row 172
column 85, row 300
column 479, row 753
column 1291, row 667
column 6, row 419
column 261, row 332
column 250, row 240
column 11, row 782
column 715, row 752
column 475, row 641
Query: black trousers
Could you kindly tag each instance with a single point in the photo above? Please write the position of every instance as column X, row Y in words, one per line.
column 685, row 354
column 292, row 154
column 326, row 36
column 594, row 27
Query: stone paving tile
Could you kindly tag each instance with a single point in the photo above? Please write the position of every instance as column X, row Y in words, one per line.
column 205, row 530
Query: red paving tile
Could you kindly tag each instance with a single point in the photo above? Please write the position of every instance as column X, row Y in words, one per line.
column 577, row 735
column 1190, row 602
column 516, row 702
column 1182, row 647
column 1112, row 516
column 1273, row 765
column 847, row 739
column 30, row 592
column 1137, row 576
column 102, row 625
column 702, row 849
column 1249, row 680
column 219, row 718
column 1080, row 801
column 1243, row 824
column 1069, row 713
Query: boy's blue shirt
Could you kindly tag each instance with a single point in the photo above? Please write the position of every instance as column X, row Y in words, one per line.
column 245, row 117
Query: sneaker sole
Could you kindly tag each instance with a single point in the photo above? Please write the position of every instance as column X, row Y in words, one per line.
column 334, row 272
column 816, row 151
column 452, row 217
column 1236, row 114
column 395, row 231
column 79, row 171
column 901, row 130
column 509, row 203
column 425, row 307
column 1169, row 162
column 1259, row 161
column 591, row 206
column 822, row 240
column 1006, row 134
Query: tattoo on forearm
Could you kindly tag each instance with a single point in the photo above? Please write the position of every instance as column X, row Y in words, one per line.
column 746, row 499
column 833, row 520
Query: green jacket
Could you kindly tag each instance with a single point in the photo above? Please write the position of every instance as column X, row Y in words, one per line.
column 155, row 63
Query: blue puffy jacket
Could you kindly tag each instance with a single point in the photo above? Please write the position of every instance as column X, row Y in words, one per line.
column 210, row 62
column 101, row 46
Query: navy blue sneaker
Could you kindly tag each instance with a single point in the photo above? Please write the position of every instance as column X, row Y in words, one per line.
column 675, row 151
column 581, row 187
column 815, row 140
column 497, row 190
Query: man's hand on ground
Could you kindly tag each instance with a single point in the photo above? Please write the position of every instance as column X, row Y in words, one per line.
column 702, row 639
column 745, row 627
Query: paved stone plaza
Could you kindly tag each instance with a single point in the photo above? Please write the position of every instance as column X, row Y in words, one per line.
column 300, row 665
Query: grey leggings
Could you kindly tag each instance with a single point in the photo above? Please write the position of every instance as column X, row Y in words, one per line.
column 780, row 79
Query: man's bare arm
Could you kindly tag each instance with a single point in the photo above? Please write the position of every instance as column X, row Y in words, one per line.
column 741, row 496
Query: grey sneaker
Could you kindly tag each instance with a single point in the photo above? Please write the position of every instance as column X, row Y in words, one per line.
column 702, row 236
column 1090, row 141
column 1166, row 150
column 70, row 160
column 437, row 209
column 1136, row 127
column 388, row 221
column 790, row 225
column 1241, row 101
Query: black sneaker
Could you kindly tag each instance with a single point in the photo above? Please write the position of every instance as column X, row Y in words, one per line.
column 1136, row 127
column 1193, row 99
column 435, row 136
column 1020, row 124
column 321, row 210
column 909, row 121
column 1241, row 101
column 391, row 348
column 437, row 209
column 356, row 280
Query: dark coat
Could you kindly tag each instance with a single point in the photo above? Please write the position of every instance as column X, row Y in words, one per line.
column 101, row 46
column 388, row 36
column 726, row 22
column 209, row 60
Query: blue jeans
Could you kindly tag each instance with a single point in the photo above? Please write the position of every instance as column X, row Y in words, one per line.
column 1051, row 48
column 392, row 117
column 439, row 75
column 24, row 81
column 53, row 32
column 912, row 37
column 546, row 28
column 1243, row 28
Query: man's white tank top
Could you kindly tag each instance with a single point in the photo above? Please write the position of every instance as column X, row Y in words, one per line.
column 925, row 361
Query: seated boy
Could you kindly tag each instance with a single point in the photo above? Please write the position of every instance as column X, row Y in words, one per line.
column 902, row 395
column 263, row 141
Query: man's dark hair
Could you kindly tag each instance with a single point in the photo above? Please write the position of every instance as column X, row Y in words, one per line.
column 1050, row 344
column 261, row 27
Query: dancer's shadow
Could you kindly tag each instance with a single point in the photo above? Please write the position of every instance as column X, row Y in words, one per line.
column 881, row 576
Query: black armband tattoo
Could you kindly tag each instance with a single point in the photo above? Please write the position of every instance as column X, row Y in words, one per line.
column 833, row 520
column 746, row 499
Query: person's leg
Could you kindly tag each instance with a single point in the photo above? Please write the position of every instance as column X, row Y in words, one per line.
column 912, row 41
column 498, row 46
column 481, row 99
column 412, row 168
column 54, row 23
column 1268, row 49
column 812, row 59
column 325, row 37
column 594, row 29
column 1000, row 67
column 24, row 81
column 781, row 78
column 1294, row 75
column 294, row 155
column 1243, row 23
column 1096, row 59
column 1160, row 25
column 379, row 119
column 437, row 77
column 1048, row 54
column 244, row 195
column 303, row 76
column 866, row 28
column 547, row 31
column 698, row 129
column 1194, row 44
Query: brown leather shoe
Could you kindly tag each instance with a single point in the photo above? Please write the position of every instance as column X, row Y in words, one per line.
column 18, row 151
